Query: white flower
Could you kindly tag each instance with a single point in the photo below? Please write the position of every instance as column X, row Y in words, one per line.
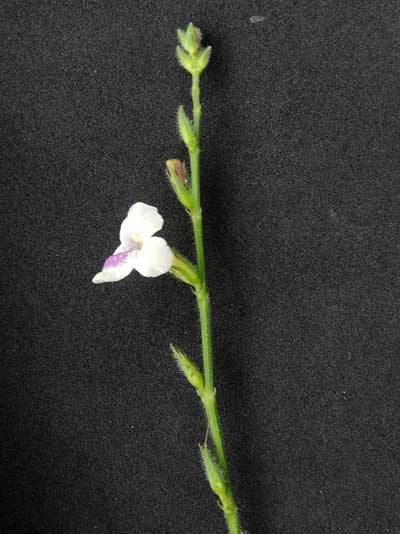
column 150, row 256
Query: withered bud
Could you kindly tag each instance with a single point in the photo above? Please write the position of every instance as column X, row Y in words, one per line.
column 175, row 166
column 179, row 181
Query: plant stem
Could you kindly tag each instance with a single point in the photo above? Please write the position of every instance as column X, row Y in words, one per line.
column 203, row 302
column 196, row 104
column 232, row 520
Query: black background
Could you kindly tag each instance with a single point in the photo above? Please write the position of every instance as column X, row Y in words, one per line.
column 301, row 199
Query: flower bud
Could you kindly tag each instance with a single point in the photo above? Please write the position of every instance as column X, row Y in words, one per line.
column 182, row 38
column 184, row 59
column 177, row 168
column 190, row 39
column 193, row 375
column 213, row 473
column 193, row 39
column 186, row 129
column 203, row 59
column 178, row 180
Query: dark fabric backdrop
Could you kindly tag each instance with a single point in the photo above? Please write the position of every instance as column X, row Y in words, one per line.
column 301, row 192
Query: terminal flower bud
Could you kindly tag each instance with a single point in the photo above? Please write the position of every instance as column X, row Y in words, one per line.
column 193, row 39
column 190, row 39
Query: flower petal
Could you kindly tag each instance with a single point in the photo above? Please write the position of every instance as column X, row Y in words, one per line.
column 141, row 223
column 116, row 267
column 155, row 257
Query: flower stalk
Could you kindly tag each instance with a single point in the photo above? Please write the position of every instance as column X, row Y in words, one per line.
column 190, row 134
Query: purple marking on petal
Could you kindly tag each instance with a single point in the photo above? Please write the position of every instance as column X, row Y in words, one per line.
column 115, row 260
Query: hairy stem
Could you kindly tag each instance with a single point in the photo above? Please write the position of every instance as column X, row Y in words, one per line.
column 196, row 104
column 203, row 302
column 232, row 520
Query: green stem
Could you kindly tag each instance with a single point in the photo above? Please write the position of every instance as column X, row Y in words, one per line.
column 196, row 104
column 232, row 520
column 203, row 302
column 196, row 213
